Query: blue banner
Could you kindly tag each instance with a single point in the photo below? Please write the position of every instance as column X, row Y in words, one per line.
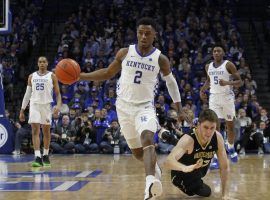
column 6, row 136
column 6, row 132
column 2, row 101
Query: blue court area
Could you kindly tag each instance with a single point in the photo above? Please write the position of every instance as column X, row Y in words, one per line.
column 41, row 179
column 42, row 186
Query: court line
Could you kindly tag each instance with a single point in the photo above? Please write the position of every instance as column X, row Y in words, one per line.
column 83, row 174
column 65, row 186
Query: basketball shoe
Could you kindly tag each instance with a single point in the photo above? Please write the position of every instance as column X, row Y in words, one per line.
column 232, row 153
column 37, row 162
column 46, row 161
column 214, row 164
column 153, row 188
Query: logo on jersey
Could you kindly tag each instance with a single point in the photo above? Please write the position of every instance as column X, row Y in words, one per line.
column 143, row 118
column 3, row 135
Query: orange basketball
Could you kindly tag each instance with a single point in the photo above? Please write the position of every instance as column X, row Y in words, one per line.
column 67, row 71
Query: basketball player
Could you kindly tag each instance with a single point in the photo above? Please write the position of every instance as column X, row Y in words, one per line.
column 39, row 91
column 190, row 158
column 139, row 65
column 221, row 100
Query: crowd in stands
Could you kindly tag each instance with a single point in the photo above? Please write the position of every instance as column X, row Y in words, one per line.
column 186, row 33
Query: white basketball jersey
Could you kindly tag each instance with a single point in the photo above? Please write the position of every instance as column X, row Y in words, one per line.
column 138, row 76
column 42, row 88
column 217, row 73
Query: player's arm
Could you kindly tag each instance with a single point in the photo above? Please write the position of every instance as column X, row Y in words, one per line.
column 27, row 94
column 106, row 73
column 223, row 162
column 57, row 92
column 206, row 84
column 237, row 81
column 172, row 86
column 184, row 145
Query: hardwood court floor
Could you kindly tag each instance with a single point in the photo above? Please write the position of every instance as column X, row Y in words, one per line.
column 109, row 177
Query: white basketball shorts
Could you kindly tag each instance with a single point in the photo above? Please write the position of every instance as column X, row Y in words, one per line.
column 223, row 105
column 134, row 119
column 40, row 113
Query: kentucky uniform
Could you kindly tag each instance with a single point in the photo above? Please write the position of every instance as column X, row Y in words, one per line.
column 221, row 98
column 191, row 182
column 135, row 94
column 40, row 110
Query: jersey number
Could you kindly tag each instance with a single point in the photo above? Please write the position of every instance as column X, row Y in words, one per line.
column 137, row 77
column 40, row 86
column 216, row 80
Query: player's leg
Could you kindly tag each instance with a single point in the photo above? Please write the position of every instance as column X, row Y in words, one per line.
column 147, row 124
column 34, row 120
column 46, row 116
column 190, row 183
column 229, row 115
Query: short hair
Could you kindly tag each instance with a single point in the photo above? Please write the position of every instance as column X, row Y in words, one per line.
column 147, row 21
column 43, row 57
column 208, row 115
column 219, row 45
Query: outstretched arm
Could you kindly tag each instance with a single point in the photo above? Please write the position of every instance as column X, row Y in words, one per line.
column 106, row 73
column 184, row 145
column 223, row 162
column 172, row 86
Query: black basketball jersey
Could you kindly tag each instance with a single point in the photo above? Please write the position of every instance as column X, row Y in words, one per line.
column 199, row 152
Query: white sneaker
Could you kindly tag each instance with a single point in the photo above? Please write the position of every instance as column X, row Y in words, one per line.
column 158, row 172
column 153, row 189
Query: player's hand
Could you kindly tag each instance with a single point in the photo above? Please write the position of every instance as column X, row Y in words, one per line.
column 223, row 82
column 56, row 110
column 203, row 96
column 190, row 168
column 22, row 117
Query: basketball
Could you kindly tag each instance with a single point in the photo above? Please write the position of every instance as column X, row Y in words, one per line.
column 67, row 71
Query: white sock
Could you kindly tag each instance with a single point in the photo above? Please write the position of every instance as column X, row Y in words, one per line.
column 37, row 153
column 231, row 146
column 149, row 178
column 46, row 152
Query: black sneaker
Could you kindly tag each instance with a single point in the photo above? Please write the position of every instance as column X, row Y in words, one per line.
column 37, row 163
column 46, row 161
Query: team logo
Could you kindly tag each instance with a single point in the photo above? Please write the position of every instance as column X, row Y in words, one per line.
column 3, row 135
column 210, row 147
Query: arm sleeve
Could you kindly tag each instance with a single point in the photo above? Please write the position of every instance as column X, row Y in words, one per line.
column 172, row 88
column 26, row 97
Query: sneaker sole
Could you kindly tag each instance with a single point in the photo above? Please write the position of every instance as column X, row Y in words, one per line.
column 46, row 165
column 155, row 189
column 36, row 165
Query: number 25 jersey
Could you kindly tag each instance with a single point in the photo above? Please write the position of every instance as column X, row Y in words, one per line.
column 139, row 76
column 42, row 88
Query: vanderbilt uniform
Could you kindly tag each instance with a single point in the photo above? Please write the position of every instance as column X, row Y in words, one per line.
column 135, row 94
column 40, row 110
column 221, row 98
column 192, row 181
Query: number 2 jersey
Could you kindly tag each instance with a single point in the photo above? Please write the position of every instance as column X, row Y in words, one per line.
column 205, row 154
column 217, row 73
column 139, row 76
column 42, row 88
